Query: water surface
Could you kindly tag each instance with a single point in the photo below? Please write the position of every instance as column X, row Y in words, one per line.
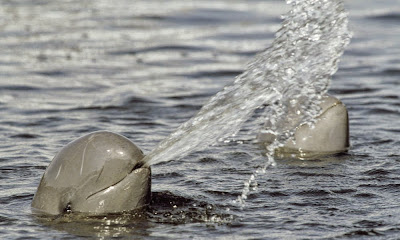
column 142, row 68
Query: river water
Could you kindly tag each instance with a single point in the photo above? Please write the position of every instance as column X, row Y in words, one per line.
column 142, row 68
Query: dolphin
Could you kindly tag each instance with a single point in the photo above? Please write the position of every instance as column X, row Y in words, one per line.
column 329, row 134
column 103, row 172
column 98, row 173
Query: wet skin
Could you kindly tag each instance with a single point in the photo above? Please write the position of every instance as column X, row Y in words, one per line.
column 330, row 133
column 98, row 173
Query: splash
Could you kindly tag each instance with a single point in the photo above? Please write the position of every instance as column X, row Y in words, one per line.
column 289, row 78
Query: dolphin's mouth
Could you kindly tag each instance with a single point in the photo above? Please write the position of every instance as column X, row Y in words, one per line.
column 103, row 189
column 135, row 167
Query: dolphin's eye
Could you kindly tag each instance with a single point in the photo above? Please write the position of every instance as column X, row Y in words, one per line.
column 68, row 208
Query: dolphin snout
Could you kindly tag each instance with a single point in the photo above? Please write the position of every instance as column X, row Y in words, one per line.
column 99, row 173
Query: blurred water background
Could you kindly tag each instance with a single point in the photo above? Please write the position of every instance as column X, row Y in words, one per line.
column 142, row 68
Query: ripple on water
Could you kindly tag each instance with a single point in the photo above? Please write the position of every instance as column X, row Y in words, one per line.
column 21, row 88
column 275, row 194
column 168, row 175
column 44, row 106
column 314, row 193
column 365, row 195
column 25, row 135
column 161, row 48
column 363, row 233
column 169, row 208
column 391, row 72
column 213, row 74
column 378, row 172
column 52, row 73
column 391, row 16
column 16, row 198
column 389, row 110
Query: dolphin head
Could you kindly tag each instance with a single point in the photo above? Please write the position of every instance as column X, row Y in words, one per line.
column 98, row 173
column 329, row 134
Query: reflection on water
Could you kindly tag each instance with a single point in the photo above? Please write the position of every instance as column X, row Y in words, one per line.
column 165, row 208
column 100, row 226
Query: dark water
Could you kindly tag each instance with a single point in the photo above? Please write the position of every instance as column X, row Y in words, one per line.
column 141, row 68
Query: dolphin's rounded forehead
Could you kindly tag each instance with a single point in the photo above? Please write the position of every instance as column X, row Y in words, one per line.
column 97, row 158
column 92, row 173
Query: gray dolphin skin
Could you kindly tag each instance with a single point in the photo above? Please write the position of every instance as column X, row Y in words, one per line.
column 330, row 133
column 98, row 173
